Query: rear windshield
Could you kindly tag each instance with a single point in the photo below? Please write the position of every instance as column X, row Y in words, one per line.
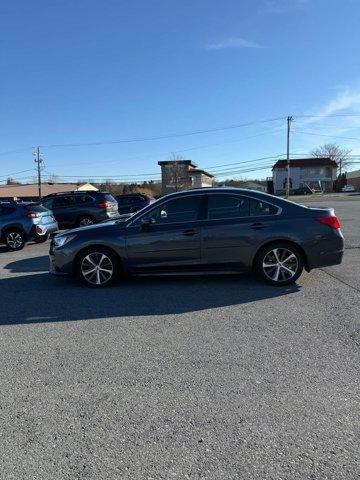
column 35, row 208
column 109, row 198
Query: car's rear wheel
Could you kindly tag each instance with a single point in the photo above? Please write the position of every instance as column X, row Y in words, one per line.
column 40, row 238
column 280, row 263
column 85, row 221
column 15, row 240
column 98, row 267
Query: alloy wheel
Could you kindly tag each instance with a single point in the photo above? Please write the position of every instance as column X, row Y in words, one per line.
column 14, row 240
column 280, row 265
column 97, row 268
column 85, row 221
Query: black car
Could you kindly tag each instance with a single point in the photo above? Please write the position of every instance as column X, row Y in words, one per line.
column 133, row 202
column 78, row 209
column 214, row 229
column 304, row 190
column 23, row 222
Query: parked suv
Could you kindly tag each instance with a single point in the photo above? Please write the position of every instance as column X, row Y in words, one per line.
column 22, row 222
column 214, row 229
column 133, row 202
column 78, row 209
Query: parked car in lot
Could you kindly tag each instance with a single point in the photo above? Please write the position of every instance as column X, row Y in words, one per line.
column 23, row 222
column 348, row 188
column 78, row 209
column 305, row 190
column 214, row 229
column 133, row 202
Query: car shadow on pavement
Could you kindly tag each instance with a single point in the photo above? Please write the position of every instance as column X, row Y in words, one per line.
column 40, row 297
column 29, row 265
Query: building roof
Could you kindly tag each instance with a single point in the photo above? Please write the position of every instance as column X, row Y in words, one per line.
column 353, row 174
column 201, row 172
column 307, row 162
column 31, row 190
column 184, row 162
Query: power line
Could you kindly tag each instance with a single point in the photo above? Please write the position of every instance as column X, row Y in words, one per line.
column 328, row 136
column 332, row 115
column 216, row 167
column 16, row 173
column 161, row 137
column 10, row 152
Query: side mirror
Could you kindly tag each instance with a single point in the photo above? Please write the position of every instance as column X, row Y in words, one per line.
column 146, row 223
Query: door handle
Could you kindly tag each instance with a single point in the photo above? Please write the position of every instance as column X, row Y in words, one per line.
column 257, row 226
column 190, row 232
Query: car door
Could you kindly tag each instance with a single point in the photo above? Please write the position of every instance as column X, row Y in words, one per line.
column 233, row 228
column 170, row 238
column 63, row 208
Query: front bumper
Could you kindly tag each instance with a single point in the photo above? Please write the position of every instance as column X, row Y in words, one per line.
column 61, row 261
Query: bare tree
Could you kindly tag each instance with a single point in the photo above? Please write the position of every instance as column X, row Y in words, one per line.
column 176, row 172
column 53, row 178
column 333, row 151
column 12, row 181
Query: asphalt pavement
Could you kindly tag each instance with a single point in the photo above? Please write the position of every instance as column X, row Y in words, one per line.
column 202, row 378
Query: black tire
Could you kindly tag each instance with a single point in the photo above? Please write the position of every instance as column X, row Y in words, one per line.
column 279, row 264
column 103, row 258
column 85, row 221
column 40, row 238
column 14, row 240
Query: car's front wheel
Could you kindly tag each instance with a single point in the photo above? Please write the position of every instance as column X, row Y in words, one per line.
column 98, row 267
column 280, row 264
column 15, row 240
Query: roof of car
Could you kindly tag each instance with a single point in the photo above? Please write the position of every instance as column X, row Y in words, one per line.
column 135, row 194
column 75, row 192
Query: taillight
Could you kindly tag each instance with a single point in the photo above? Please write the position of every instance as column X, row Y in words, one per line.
column 330, row 220
column 105, row 204
column 32, row 215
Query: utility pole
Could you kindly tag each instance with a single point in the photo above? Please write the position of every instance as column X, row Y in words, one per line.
column 38, row 161
column 289, row 120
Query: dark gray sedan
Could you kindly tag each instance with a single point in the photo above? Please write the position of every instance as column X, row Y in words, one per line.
column 214, row 229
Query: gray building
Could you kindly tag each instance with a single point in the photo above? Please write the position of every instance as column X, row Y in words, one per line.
column 316, row 173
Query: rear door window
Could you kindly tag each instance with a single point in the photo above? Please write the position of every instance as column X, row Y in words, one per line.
column 259, row 208
column 227, row 206
column 109, row 198
column 36, row 208
column 82, row 199
column 61, row 202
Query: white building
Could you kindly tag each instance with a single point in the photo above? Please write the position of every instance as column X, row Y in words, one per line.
column 316, row 173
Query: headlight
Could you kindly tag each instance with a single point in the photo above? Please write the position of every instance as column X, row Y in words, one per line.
column 61, row 240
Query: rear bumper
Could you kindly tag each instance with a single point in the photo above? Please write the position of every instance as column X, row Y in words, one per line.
column 326, row 260
column 46, row 229
column 326, row 252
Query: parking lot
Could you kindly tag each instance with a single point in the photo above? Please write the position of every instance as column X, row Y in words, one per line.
column 217, row 377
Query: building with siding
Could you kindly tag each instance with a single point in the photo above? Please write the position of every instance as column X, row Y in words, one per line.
column 353, row 178
column 316, row 173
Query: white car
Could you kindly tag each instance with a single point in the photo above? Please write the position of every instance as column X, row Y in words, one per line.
column 348, row 188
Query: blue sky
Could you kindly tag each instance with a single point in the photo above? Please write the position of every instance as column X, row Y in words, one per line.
column 84, row 71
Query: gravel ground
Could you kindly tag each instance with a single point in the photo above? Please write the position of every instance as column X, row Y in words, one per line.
column 202, row 378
